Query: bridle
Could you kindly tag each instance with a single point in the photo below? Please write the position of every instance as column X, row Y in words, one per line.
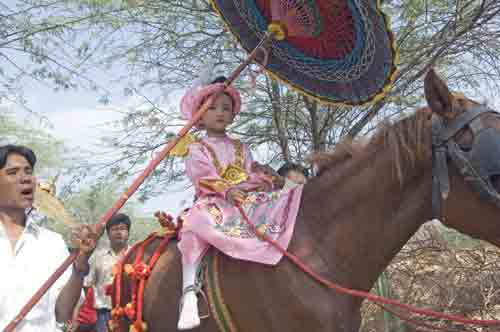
column 476, row 165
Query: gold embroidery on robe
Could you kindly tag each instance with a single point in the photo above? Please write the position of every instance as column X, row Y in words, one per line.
column 214, row 210
column 215, row 185
column 234, row 173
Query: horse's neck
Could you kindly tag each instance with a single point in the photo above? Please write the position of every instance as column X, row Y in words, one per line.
column 360, row 215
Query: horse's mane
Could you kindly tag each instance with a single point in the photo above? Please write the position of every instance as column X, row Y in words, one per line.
column 404, row 137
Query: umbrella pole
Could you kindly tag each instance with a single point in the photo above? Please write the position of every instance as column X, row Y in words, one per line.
column 135, row 185
column 261, row 45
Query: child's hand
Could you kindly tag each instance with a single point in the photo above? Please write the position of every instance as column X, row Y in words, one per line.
column 269, row 175
column 263, row 169
column 236, row 196
column 278, row 181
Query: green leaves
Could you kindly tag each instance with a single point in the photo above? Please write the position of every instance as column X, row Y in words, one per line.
column 49, row 150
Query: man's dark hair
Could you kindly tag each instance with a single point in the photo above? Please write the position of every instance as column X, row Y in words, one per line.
column 117, row 219
column 6, row 150
column 286, row 168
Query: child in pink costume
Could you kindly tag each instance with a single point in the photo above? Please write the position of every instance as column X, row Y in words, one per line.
column 221, row 170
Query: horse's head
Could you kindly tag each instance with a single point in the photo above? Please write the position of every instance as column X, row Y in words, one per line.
column 466, row 137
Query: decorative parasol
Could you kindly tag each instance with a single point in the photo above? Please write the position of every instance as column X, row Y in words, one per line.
column 335, row 51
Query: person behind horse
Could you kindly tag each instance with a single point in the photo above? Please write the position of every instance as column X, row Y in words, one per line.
column 29, row 253
column 85, row 315
column 294, row 174
column 102, row 263
column 221, row 170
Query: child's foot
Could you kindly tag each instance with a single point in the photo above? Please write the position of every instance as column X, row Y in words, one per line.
column 189, row 317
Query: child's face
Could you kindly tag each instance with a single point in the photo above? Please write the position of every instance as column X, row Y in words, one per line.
column 219, row 115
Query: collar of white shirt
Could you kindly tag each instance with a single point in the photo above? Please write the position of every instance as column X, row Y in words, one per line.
column 38, row 253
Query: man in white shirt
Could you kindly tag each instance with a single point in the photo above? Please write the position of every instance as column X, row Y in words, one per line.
column 29, row 254
column 101, row 266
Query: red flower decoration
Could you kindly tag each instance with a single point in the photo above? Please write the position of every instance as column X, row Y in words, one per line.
column 139, row 326
column 130, row 310
column 116, row 312
column 113, row 325
column 142, row 271
column 129, row 270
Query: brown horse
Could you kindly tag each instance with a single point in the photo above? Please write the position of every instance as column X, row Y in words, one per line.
column 355, row 216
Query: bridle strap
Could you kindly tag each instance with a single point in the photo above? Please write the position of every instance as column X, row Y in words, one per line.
column 440, row 177
column 451, row 128
column 444, row 147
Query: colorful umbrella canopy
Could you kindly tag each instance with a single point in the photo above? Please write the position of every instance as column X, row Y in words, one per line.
column 336, row 51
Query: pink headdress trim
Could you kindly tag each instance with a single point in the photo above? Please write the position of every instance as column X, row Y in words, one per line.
column 195, row 96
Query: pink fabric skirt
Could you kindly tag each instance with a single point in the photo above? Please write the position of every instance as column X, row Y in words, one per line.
column 214, row 221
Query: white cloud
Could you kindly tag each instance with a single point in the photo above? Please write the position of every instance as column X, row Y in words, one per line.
column 82, row 128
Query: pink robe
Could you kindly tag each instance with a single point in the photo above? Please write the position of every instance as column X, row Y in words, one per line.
column 214, row 221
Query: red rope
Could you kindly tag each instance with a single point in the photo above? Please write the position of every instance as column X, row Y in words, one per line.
column 140, row 299
column 117, row 311
column 118, row 277
column 371, row 297
column 118, row 290
column 158, row 251
column 137, row 261
column 139, row 273
column 152, row 261
column 414, row 322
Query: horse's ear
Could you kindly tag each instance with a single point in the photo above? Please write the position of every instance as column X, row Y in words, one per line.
column 439, row 97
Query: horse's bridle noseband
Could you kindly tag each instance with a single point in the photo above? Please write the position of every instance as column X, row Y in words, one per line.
column 476, row 165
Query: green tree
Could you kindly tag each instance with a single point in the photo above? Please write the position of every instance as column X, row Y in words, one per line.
column 90, row 204
column 50, row 151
